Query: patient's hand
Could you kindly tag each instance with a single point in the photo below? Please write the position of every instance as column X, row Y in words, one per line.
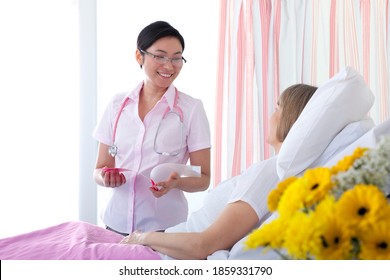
column 133, row 238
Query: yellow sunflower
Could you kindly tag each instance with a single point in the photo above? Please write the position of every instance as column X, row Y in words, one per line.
column 293, row 198
column 331, row 238
column 274, row 196
column 346, row 162
column 324, row 210
column 361, row 205
column 318, row 183
column 375, row 241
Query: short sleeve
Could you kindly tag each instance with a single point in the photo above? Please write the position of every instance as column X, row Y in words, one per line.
column 199, row 136
column 254, row 185
column 104, row 128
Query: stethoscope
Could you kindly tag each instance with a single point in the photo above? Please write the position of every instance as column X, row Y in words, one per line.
column 113, row 149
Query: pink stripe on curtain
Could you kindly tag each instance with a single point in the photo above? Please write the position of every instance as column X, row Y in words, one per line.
column 265, row 18
column 365, row 11
column 350, row 37
column 219, row 94
column 276, row 49
column 382, row 61
column 387, row 19
column 314, row 42
column 249, row 66
column 333, row 63
column 236, row 166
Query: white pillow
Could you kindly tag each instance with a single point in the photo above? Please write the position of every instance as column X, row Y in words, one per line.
column 347, row 136
column 368, row 140
column 343, row 99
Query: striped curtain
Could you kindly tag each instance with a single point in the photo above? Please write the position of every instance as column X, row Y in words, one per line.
column 267, row 45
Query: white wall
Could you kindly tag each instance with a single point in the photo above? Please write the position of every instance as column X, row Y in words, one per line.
column 38, row 114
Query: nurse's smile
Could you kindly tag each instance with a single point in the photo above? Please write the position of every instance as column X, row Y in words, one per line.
column 164, row 75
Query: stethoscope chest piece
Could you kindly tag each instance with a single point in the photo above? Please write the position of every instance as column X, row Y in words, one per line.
column 113, row 150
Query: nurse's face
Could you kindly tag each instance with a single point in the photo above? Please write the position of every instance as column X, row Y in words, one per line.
column 160, row 73
column 273, row 124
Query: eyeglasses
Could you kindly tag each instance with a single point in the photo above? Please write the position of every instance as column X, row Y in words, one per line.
column 176, row 61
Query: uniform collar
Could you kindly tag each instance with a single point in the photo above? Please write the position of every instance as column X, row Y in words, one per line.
column 134, row 94
column 169, row 95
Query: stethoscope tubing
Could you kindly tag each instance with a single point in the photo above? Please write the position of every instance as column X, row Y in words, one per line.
column 113, row 149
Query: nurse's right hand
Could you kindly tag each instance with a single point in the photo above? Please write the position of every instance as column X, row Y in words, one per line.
column 112, row 178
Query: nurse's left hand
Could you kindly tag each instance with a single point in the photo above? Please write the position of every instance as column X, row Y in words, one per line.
column 113, row 178
column 163, row 187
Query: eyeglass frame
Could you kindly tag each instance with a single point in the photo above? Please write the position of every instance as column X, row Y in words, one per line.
column 165, row 58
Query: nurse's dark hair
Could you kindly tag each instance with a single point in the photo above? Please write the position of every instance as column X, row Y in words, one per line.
column 156, row 31
column 291, row 103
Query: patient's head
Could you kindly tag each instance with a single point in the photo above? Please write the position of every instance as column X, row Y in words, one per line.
column 289, row 107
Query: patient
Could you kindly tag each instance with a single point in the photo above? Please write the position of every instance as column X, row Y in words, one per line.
column 236, row 206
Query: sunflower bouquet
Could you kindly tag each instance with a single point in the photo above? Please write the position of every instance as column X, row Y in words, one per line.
column 340, row 212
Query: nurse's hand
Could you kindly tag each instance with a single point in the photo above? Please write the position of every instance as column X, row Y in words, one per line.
column 161, row 188
column 113, row 178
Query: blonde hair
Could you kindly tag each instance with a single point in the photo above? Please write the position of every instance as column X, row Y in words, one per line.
column 291, row 103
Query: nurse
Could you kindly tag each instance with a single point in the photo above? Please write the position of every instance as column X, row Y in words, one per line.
column 153, row 124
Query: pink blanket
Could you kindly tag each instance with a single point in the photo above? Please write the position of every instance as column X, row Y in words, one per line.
column 72, row 241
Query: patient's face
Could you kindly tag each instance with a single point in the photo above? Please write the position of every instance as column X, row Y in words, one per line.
column 273, row 124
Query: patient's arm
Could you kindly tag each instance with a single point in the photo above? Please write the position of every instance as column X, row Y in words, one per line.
column 236, row 220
